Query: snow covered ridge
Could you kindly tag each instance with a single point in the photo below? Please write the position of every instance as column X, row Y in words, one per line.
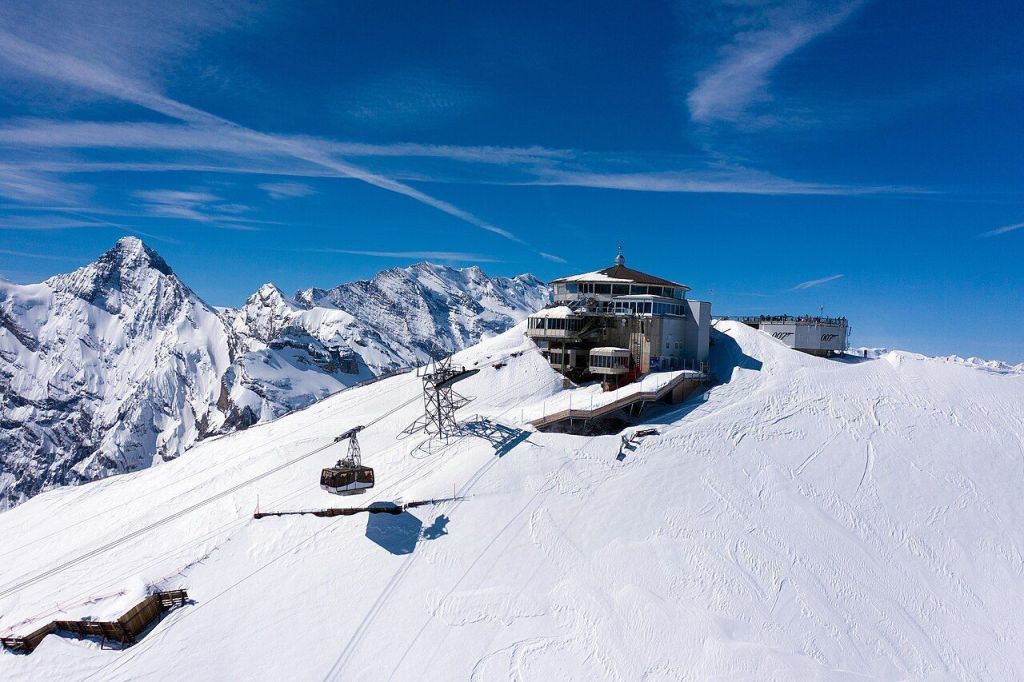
column 805, row 519
column 994, row 366
column 997, row 366
column 119, row 364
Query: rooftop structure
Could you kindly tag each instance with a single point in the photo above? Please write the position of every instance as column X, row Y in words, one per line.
column 619, row 323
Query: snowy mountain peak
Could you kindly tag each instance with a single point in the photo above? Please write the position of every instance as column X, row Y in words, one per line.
column 529, row 279
column 268, row 293
column 129, row 274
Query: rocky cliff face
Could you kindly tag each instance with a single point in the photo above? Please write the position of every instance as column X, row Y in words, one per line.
column 119, row 364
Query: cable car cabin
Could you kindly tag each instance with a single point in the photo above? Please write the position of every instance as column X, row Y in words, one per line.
column 346, row 479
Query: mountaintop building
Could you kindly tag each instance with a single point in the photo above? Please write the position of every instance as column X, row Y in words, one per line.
column 812, row 334
column 619, row 324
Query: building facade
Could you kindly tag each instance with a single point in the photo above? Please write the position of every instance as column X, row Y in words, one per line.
column 814, row 334
column 619, row 323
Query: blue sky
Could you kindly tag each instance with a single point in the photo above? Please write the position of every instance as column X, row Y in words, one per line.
column 777, row 157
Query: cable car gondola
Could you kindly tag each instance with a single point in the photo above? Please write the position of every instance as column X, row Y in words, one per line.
column 348, row 476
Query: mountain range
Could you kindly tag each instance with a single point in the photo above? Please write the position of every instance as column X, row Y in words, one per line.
column 120, row 365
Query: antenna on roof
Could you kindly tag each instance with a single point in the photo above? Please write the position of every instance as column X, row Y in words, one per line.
column 620, row 259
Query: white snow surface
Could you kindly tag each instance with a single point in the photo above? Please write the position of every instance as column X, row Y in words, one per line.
column 556, row 312
column 596, row 276
column 805, row 519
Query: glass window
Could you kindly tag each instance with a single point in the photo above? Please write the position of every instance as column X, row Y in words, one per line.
column 620, row 289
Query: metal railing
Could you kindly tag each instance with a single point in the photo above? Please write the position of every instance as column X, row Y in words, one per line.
column 786, row 319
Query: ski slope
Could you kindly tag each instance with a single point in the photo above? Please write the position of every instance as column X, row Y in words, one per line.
column 805, row 519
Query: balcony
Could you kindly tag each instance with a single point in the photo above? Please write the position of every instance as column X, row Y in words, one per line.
column 554, row 323
column 609, row 361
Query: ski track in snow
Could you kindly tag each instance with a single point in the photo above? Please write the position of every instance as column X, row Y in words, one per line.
column 810, row 519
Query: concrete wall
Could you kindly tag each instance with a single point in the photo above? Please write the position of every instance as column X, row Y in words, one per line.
column 682, row 339
column 698, row 330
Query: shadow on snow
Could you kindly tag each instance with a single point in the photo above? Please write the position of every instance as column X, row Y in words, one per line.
column 502, row 438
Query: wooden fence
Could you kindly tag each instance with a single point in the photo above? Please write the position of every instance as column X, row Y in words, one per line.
column 124, row 630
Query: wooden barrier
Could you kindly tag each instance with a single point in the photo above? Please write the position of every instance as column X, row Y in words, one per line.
column 124, row 630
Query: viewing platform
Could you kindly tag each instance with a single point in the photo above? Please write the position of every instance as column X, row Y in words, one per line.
column 575, row 408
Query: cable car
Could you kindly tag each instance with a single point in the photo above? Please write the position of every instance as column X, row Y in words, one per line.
column 348, row 476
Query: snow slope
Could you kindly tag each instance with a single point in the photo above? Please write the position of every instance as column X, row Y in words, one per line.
column 806, row 519
column 120, row 365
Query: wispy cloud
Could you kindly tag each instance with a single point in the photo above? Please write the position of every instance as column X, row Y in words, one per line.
column 45, row 133
column 734, row 180
column 177, row 197
column 79, row 220
column 551, row 257
column 709, row 181
column 28, row 186
column 199, row 206
column 140, row 39
column 764, row 35
column 95, row 77
column 41, row 223
column 286, row 190
column 1002, row 230
column 810, row 284
column 41, row 256
column 457, row 256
